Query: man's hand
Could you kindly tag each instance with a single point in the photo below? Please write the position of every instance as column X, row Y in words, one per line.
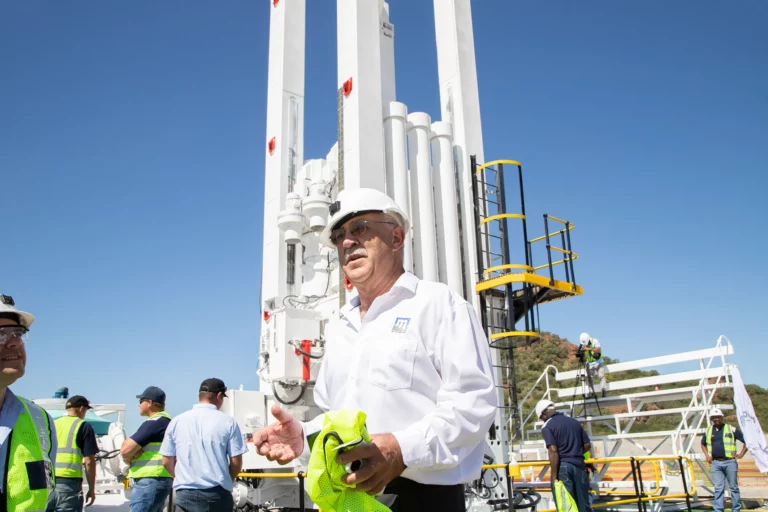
column 739, row 455
column 709, row 459
column 383, row 463
column 282, row 441
column 90, row 497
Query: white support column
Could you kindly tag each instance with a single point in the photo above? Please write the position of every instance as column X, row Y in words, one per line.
column 284, row 147
column 422, row 201
column 359, row 66
column 460, row 106
column 387, row 55
column 449, row 251
column 395, row 125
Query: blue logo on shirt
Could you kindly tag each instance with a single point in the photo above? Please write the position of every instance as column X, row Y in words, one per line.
column 401, row 325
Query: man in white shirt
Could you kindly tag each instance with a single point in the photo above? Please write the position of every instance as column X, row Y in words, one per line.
column 412, row 355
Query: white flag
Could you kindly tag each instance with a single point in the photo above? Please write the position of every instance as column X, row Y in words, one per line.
column 748, row 422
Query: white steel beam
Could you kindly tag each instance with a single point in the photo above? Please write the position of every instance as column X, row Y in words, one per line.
column 652, row 362
column 656, row 380
column 284, row 147
column 359, row 66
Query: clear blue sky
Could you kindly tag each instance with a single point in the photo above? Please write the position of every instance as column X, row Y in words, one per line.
column 131, row 149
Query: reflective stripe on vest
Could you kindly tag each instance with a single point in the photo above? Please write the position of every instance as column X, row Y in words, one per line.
column 150, row 463
column 69, row 458
column 729, row 440
column 29, row 480
column 590, row 356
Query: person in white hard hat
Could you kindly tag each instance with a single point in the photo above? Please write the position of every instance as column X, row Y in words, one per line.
column 593, row 357
column 27, row 433
column 412, row 355
column 567, row 442
column 719, row 446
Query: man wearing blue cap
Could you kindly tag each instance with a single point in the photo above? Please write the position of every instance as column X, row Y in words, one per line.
column 150, row 481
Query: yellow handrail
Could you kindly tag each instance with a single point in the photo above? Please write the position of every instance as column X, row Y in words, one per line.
column 495, row 162
column 502, row 216
column 558, row 220
column 510, row 334
column 564, row 251
column 554, row 233
column 272, row 475
column 508, row 266
column 555, row 263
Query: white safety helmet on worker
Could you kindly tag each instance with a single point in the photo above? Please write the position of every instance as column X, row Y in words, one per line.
column 8, row 310
column 353, row 202
column 542, row 406
column 715, row 411
column 584, row 338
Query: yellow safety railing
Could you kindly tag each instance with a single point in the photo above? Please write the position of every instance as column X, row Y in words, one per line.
column 515, row 471
column 645, row 497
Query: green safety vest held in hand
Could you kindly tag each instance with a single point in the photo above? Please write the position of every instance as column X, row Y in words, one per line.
column 69, row 458
column 150, row 463
column 564, row 502
column 729, row 440
column 29, row 480
column 324, row 474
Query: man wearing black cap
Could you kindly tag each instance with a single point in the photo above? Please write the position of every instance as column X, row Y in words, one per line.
column 77, row 446
column 204, row 471
column 150, row 481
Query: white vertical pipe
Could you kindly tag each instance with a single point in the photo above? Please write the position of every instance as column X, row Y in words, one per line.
column 395, row 123
column 449, row 252
column 422, row 204
column 358, row 28
column 460, row 104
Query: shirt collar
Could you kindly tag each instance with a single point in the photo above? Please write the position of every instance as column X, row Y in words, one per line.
column 407, row 281
column 204, row 406
column 9, row 398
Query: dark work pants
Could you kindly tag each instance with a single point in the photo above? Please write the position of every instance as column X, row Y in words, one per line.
column 416, row 497
column 576, row 481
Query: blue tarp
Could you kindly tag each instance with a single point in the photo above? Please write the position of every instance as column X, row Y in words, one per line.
column 100, row 425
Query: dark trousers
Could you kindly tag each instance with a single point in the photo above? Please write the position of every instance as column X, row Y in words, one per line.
column 216, row 499
column 576, row 481
column 416, row 497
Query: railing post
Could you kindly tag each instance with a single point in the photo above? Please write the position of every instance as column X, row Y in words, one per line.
column 642, row 487
column 685, row 484
column 510, row 489
column 570, row 253
column 301, row 476
column 566, row 256
column 634, row 479
column 549, row 251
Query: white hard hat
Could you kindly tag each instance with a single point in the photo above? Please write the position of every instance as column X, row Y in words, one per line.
column 8, row 306
column 584, row 338
column 353, row 202
column 715, row 411
column 542, row 406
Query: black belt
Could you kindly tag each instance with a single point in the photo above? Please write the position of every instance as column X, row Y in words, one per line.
column 722, row 458
column 415, row 497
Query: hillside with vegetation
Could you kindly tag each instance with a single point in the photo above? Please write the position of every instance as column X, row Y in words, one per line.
column 531, row 360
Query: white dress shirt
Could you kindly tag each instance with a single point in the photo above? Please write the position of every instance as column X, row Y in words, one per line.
column 419, row 366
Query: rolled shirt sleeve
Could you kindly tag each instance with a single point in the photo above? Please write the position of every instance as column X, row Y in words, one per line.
column 466, row 401
column 236, row 443
column 168, row 448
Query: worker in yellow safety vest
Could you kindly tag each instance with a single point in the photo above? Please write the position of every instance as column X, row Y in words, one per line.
column 150, row 482
column 77, row 447
column 27, row 432
column 719, row 446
